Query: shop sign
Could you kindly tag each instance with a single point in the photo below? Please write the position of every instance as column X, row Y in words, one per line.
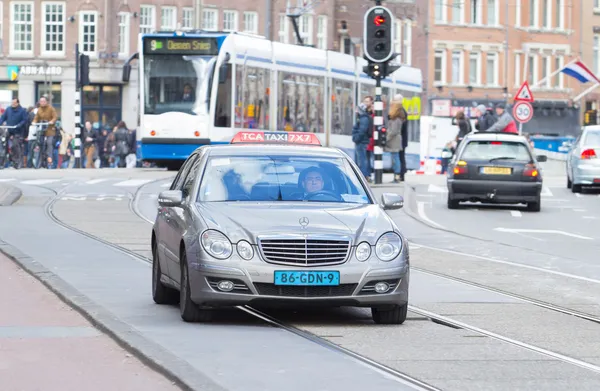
column 31, row 70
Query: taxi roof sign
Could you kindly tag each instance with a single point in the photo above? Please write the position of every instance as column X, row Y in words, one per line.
column 296, row 138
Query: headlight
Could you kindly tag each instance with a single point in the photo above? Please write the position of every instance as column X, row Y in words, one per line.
column 216, row 244
column 245, row 250
column 363, row 251
column 388, row 246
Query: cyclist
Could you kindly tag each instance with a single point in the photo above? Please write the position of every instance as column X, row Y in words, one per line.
column 16, row 116
column 47, row 113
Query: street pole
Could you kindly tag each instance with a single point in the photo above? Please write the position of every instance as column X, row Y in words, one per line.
column 78, row 121
column 378, row 122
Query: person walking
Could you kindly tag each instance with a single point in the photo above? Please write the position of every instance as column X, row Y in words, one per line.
column 505, row 122
column 47, row 113
column 361, row 136
column 15, row 115
column 485, row 118
column 394, row 145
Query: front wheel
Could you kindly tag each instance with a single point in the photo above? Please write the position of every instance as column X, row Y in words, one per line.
column 190, row 311
column 394, row 315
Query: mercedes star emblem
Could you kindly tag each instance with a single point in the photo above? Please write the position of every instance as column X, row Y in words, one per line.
column 303, row 221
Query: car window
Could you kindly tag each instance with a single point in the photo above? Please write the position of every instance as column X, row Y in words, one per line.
column 178, row 181
column 191, row 176
column 486, row 150
column 592, row 138
column 281, row 178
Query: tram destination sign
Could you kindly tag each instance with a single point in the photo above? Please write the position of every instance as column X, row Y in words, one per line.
column 184, row 46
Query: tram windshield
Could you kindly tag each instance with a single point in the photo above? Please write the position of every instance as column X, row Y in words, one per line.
column 177, row 83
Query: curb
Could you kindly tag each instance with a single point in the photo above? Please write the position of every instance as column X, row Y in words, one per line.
column 180, row 372
column 9, row 194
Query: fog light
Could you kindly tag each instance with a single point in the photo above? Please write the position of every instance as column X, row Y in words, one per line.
column 382, row 287
column 225, row 286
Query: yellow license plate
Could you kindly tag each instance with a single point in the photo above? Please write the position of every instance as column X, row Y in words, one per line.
column 497, row 170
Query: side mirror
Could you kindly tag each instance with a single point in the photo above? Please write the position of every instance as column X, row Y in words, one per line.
column 392, row 201
column 541, row 158
column 126, row 73
column 223, row 73
column 170, row 198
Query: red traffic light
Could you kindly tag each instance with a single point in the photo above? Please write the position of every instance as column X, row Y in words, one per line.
column 379, row 20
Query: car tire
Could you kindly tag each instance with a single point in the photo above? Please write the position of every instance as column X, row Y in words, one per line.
column 535, row 206
column 452, row 203
column 190, row 311
column 160, row 293
column 576, row 188
column 394, row 315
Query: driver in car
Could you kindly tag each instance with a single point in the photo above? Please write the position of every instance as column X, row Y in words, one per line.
column 311, row 181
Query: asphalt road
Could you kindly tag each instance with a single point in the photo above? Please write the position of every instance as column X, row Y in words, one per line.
column 236, row 351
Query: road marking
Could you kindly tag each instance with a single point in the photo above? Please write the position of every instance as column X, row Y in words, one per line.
column 437, row 189
column 133, row 182
column 6, row 180
column 578, row 195
column 516, row 213
column 94, row 181
column 579, row 210
column 422, row 215
column 589, row 217
column 546, row 192
column 40, row 181
column 542, row 231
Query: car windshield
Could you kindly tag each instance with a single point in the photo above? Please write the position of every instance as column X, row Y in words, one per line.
column 498, row 150
column 281, row 178
column 592, row 138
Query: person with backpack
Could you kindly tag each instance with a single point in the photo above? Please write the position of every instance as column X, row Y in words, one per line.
column 122, row 144
column 505, row 122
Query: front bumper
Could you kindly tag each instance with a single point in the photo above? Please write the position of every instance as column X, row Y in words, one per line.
column 503, row 191
column 254, row 284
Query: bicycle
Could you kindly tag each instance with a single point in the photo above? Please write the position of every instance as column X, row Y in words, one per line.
column 6, row 146
column 37, row 150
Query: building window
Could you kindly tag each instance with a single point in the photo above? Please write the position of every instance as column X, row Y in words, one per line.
column 474, row 69
column 168, row 18
column 88, row 31
column 518, row 13
column 52, row 92
column 596, row 59
column 124, row 33
column 13, row 87
column 187, row 19
column 53, row 38
column 439, row 67
column 440, row 11
column 547, row 12
column 407, row 43
column 230, row 21
column 102, row 104
column 147, row 19
column 533, row 13
column 558, row 78
column 306, row 29
column 476, row 12
column 210, row 20
column 22, row 27
column 284, row 29
column 457, row 67
column 492, row 12
column 559, row 14
column 517, row 69
column 491, row 71
column 251, row 22
column 458, row 11
column 322, row 32
column 531, row 69
column 398, row 37
column 546, row 70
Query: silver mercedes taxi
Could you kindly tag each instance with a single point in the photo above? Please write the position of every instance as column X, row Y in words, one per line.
column 274, row 218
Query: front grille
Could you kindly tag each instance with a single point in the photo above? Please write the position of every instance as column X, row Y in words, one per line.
column 238, row 285
column 304, row 252
column 304, row 291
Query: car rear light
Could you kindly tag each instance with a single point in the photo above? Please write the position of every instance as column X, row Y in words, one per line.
column 152, row 133
column 531, row 171
column 197, row 133
column 588, row 154
column 460, row 168
column 496, row 143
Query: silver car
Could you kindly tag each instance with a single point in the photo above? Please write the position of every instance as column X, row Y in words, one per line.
column 286, row 224
column 583, row 160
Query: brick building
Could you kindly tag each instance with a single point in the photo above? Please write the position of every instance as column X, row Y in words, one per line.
column 38, row 39
column 480, row 51
column 591, row 49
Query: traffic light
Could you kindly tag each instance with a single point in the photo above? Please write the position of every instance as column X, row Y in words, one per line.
column 591, row 117
column 382, row 135
column 84, row 70
column 378, row 34
column 381, row 71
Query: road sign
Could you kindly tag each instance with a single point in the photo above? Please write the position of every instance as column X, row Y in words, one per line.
column 523, row 112
column 524, row 94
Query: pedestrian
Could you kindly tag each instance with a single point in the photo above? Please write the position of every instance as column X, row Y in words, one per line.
column 47, row 113
column 16, row 115
column 485, row 118
column 89, row 145
column 447, row 154
column 396, row 137
column 361, row 135
column 505, row 122
column 464, row 126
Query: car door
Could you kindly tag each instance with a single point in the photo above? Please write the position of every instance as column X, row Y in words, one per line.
column 182, row 220
column 171, row 240
column 574, row 155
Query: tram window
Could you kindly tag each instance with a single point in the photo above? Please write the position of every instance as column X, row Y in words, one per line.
column 252, row 97
column 223, row 106
column 300, row 103
column 342, row 118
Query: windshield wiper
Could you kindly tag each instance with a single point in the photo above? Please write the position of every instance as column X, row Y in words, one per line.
column 501, row 158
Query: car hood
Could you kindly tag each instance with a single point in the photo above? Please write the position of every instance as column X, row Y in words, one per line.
column 244, row 220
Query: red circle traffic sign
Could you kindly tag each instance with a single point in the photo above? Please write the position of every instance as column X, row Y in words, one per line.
column 523, row 112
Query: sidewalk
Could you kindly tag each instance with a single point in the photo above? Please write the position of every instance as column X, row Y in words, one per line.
column 46, row 345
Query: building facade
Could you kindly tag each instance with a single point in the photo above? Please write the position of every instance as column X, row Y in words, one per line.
column 481, row 51
column 591, row 52
column 38, row 43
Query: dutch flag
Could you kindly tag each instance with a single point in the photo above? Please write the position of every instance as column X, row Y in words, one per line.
column 579, row 71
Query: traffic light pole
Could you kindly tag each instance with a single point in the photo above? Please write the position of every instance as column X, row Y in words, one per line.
column 378, row 123
column 77, row 130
